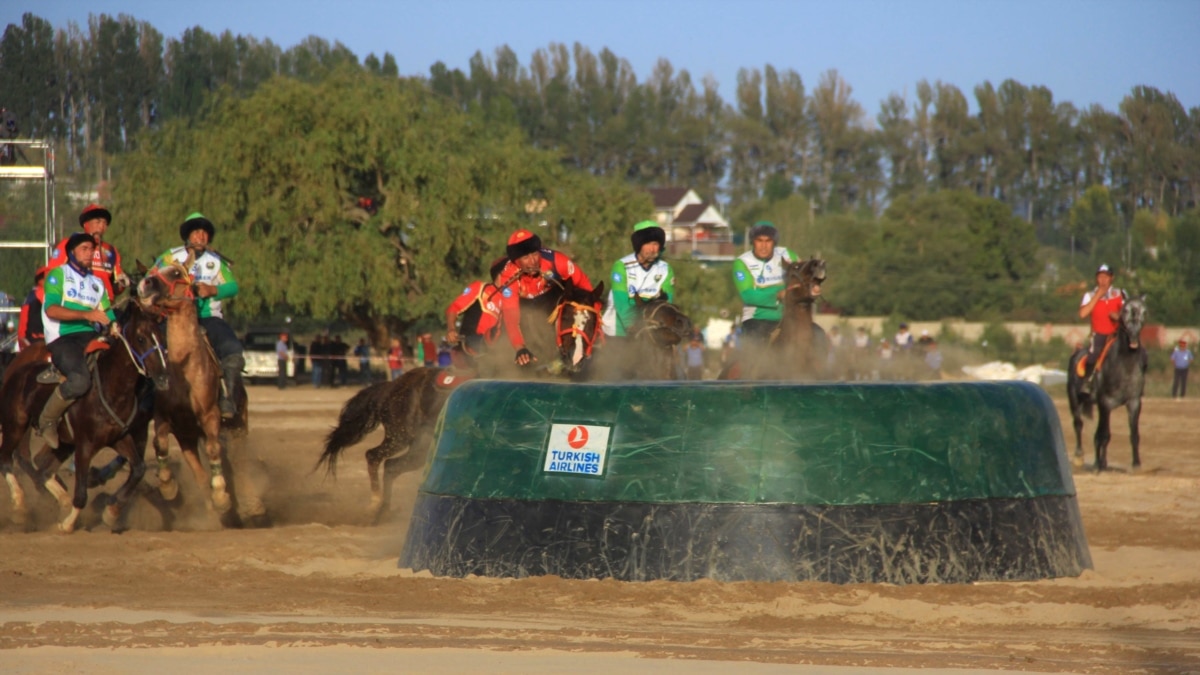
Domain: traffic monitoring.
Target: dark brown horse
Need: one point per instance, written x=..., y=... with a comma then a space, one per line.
x=407, y=407
x=110, y=414
x=650, y=350
x=1119, y=380
x=189, y=411
x=798, y=347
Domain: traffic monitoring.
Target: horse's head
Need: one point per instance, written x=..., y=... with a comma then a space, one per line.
x=577, y=323
x=1133, y=317
x=139, y=331
x=803, y=279
x=165, y=288
x=662, y=322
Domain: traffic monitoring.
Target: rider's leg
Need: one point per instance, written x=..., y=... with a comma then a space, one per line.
x=229, y=351
x=67, y=355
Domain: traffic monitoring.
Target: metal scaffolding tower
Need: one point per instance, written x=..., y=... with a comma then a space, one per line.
x=36, y=164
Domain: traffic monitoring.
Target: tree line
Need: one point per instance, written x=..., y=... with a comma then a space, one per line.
x=957, y=212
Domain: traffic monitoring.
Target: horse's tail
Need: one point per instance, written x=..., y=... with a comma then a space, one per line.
x=359, y=417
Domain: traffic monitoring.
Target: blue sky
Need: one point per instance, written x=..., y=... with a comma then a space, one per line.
x=1086, y=52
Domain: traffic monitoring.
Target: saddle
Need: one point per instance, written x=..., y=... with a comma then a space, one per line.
x=450, y=378
x=52, y=375
x=1081, y=366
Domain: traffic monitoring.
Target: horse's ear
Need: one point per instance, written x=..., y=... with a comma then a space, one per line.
x=598, y=293
x=141, y=267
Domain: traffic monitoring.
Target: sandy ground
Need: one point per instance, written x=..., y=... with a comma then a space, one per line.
x=320, y=590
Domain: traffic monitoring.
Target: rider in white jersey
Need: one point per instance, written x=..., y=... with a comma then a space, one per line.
x=758, y=275
x=642, y=275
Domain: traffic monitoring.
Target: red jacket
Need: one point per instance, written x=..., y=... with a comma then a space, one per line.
x=515, y=286
x=1102, y=323
x=481, y=303
x=106, y=263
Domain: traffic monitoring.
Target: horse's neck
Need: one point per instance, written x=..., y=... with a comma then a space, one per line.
x=184, y=336
x=798, y=319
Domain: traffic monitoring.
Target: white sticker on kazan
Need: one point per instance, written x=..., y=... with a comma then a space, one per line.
x=577, y=448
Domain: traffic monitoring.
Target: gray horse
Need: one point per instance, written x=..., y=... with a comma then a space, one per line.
x=1120, y=380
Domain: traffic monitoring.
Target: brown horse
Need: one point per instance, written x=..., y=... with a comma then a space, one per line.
x=650, y=351
x=110, y=414
x=798, y=347
x=407, y=407
x=189, y=411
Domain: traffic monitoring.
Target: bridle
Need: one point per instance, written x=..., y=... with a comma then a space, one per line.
x=578, y=327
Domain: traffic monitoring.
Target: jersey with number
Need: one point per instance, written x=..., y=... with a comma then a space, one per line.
x=758, y=283
x=68, y=287
x=209, y=268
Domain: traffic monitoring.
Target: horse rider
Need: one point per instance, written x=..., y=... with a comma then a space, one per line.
x=642, y=274
x=1103, y=304
x=213, y=282
x=30, y=328
x=106, y=265
x=531, y=272
x=473, y=320
x=75, y=302
x=758, y=275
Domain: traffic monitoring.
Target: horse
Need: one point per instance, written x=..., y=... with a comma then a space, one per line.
x=1120, y=379
x=110, y=414
x=561, y=328
x=189, y=411
x=408, y=406
x=650, y=350
x=798, y=347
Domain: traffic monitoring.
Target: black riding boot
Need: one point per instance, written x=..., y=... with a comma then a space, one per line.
x=231, y=372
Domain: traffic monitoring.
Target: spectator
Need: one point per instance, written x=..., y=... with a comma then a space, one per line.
x=903, y=342
x=419, y=351
x=316, y=354
x=363, y=352
x=694, y=354
x=729, y=345
x=395, y=358
x=338, y=350
x=281, y=353
x=1182, y=358
x=444, y=357
x=862, y=353
x=933, y=359
x=428, y=350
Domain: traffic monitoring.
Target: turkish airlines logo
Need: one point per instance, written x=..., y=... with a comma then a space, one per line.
x=578, y=437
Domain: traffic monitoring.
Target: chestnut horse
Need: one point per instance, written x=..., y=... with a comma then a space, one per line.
x=189, y=411
x=110, y=414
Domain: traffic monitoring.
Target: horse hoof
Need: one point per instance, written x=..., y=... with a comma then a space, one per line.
x=112, y=514
x=169, y=490
x=221, y=502
x=257, y=521
x=67, y=526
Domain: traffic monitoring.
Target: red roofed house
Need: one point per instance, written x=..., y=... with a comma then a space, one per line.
x=694, y=227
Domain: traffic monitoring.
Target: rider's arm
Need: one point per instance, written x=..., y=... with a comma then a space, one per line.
x=569, y=271
x=23, y=327
x=621, y=301
x=227, y=285
x=668, y=286
x=755, y=297
x=460, y=304
x=1089, y=303
x=510, y=308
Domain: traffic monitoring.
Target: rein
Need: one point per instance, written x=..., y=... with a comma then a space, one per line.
x=139, y=363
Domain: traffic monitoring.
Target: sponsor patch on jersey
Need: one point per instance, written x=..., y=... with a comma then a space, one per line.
x=53, y=281
x=617, y=276
x=579, y=449
x=507, y=292
x=211, y=265
x=72, y=293
x=741, y=276
x=467, y=290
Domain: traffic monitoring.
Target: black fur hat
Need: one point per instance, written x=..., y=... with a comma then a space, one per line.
x=194, y=222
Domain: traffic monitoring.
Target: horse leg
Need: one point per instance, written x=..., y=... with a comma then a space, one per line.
x=377, y=457
x=43, y=467
x=1134, y=407
x=129, y=448
x=1103, y=435
x=167, y=487
x=83, y=461
x=213, y=448
x=9, y=444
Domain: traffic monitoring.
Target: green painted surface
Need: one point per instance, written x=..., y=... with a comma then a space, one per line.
x=757, y=443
